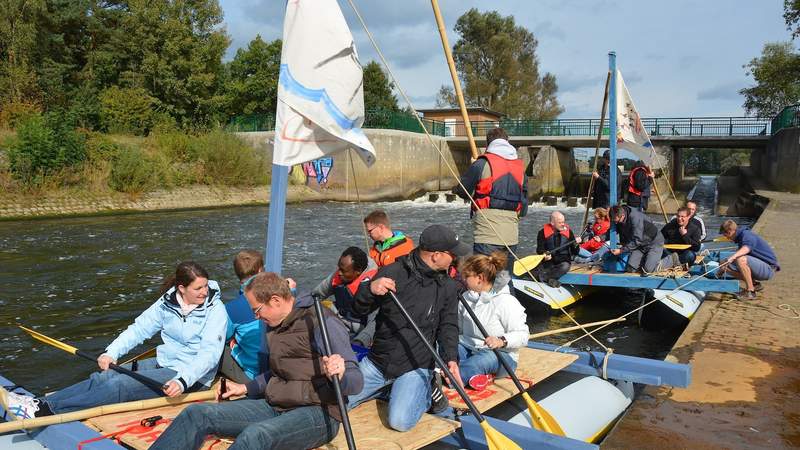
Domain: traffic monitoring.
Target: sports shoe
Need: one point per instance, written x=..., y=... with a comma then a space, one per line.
x=746, y=295
x=20, y=406
x=757, y=286
x=480, y=381
x=439, y=401
x=554, y=283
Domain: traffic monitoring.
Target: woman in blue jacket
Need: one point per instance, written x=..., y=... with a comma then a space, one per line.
x=192, y=321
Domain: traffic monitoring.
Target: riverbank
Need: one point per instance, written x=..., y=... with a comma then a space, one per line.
x=745, y=357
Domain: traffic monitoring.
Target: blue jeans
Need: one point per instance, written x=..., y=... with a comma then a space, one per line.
x=585, y=256
x=409, y=397
x=474, y=362
x=107, y=387
x=487, y=249
x=253, y=422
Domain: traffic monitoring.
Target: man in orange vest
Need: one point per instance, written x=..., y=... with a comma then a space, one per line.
x=497, y=183
x=354, y=269
x=389, y=245
x=639, y=181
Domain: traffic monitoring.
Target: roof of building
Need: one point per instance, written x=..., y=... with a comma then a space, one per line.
x=472, y=110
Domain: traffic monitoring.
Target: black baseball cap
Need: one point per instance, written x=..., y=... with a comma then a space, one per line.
x=439, y=238
x=607, y=154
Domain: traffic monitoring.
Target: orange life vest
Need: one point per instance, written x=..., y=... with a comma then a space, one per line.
x=504, y=186
x=631, y=185
x=389, y=255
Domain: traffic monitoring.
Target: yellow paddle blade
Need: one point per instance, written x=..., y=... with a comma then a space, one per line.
x=540, y=418
x=140, y=356
x=496, y=440
x=49, y=340
x=676, y=246
x=721, y=239
x=522, y=265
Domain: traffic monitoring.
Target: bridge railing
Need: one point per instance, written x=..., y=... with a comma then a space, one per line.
x=789, y=117
x=681, y=126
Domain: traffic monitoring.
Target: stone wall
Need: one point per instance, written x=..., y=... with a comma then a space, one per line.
x=780, y=162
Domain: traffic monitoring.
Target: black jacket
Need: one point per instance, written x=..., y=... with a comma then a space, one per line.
x=563, y=254
x=636, y=231
x=672, y=234
x=601, y=196
x=641, y=182
x=430, y=297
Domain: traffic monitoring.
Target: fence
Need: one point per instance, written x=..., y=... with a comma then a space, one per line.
x=789, y=117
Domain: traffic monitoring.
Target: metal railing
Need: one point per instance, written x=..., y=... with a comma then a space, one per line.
x=680, y=126
x=789, y=117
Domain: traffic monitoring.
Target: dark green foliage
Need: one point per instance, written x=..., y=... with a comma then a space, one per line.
x=777, y=76
x=252, y=83
x=134, y=171
x=127, y=110
x=43, y=146
x=378, y=89
x=791, y=13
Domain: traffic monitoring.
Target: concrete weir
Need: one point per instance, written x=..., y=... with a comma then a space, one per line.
x=745, y=357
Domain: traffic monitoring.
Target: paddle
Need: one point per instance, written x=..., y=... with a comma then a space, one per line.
x=540, y=418
x=143, y=355
x=686, y=246
x=494, y=438
x=523, y=265
x=337, y=388
x=147, y=381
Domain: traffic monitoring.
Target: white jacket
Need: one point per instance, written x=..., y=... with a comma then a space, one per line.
x=499, y=312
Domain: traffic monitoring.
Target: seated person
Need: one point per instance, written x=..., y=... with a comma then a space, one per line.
x=558, y=245
x=191, y=318
x=681, y=230
x=500, y=314
x=294, y=407
x=692, y=206
x=389, y=245
x=240, y=360
x=639, y=238
x=593, y=248
x=754, y=261
x=354, y=269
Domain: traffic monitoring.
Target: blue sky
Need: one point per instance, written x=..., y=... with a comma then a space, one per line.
x=679, y=58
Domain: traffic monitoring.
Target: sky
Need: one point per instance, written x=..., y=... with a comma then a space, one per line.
x=679, y=58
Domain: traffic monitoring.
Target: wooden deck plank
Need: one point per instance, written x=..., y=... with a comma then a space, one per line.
x=534, y=366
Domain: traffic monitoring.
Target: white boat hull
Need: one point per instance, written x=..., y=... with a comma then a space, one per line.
x=549, y=297
x=671, y=308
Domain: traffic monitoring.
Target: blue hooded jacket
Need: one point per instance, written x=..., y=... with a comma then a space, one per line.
x=192, y=344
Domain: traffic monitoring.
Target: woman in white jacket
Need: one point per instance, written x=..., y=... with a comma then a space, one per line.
x=498, y=311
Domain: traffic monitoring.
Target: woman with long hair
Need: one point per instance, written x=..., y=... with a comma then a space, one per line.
x=499, y=312
x=192, y=321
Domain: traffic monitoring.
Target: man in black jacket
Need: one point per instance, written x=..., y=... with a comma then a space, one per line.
x=681, y=230
x=639, y=237
x=601, y=192
x=558, y=245
x=398, y=357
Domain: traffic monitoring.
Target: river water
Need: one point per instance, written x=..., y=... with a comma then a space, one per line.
x=83, y=280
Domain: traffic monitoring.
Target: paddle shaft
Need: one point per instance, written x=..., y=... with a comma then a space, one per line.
x=453, y=382
x=147, y=381
x=337, y=388
x=485, y=334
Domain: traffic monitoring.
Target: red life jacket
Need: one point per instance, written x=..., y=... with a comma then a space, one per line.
x=343, y=293
x=631, y=185
x=549, y=231
x=504, y=186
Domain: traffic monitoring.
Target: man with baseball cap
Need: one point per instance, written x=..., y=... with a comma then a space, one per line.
x=398, y=357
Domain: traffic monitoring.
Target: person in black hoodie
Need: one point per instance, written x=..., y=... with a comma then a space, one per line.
x=639, y=237
x=601, y=194
x=558, y=245
x=681, y=230
x=398, y=357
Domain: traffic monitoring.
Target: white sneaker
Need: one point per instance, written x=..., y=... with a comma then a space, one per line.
x=20, y=407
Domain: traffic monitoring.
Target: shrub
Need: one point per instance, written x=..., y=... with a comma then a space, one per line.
x=134, y=171
x=229, y=160
x=12, y=114
x=44, y=145
x=128, y=110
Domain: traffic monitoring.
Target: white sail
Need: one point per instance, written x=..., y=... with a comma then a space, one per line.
x=631, y=134
x=320, y=89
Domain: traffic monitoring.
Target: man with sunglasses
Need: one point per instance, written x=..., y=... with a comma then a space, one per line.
x=398, y=358
x=388, y=245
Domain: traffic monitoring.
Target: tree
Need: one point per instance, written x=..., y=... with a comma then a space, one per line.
x=497, y=64
x=19, y=26
x=791, y=13
x=378, y=89
x=777, y=77
x=252, y=84
x=446, y=98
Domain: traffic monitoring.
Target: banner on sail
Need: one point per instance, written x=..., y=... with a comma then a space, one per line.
x=320, y=90
x=631, y=134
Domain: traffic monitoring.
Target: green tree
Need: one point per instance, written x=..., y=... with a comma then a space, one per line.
x=791, y=13
x=446, y=98
x=19, y=28
x=252, y=84
x=498, y=67
x=777, y=76
x=378, y=89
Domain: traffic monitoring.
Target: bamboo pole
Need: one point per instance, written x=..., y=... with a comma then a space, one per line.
x=564, y=330
x=456, y=83
x=103, y=410
x=658, y=196
x=597, y=151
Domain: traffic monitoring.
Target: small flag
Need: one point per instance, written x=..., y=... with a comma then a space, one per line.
x=631, y=134
x=320, y=89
